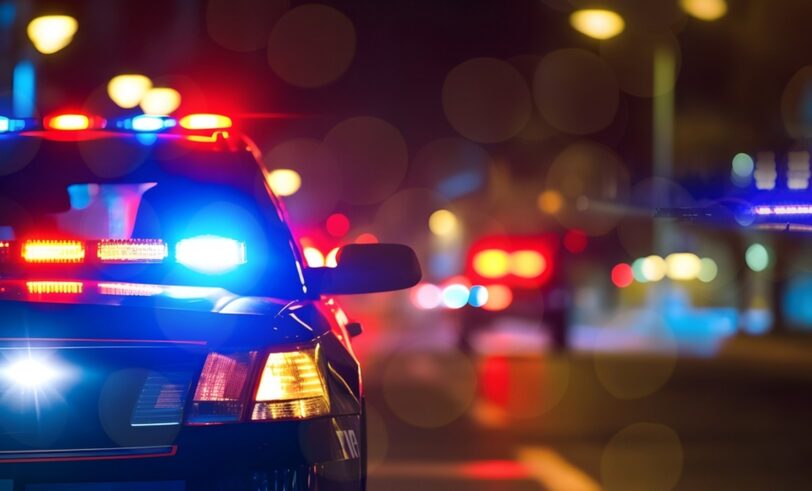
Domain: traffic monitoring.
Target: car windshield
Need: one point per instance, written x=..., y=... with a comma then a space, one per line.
x=203, y=209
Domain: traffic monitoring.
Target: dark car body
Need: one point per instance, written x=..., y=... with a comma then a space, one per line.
x=131, y=343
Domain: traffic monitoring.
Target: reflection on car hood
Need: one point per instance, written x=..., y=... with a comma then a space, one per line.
x=80, y=292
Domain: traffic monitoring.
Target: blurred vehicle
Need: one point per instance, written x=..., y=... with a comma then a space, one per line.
x=159, y=327
x=525, y=279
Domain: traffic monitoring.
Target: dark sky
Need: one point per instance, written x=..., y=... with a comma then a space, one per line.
x=732, y=75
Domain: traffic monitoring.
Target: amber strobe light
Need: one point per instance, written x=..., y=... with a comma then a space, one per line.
x=205, y=122
x=125, y=251
x=54, y=287
x=67, y=122
x=291, y=387
x=53, y=251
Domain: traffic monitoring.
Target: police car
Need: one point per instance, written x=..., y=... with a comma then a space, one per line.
x=159, y=329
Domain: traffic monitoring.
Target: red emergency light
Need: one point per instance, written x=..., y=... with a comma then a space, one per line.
x=521, y=262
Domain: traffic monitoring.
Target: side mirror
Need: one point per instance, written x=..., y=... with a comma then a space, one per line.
x=368, y=268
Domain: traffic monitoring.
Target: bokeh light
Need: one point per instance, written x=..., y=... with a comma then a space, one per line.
x=625, y=381
x=366, y=238
x=338, y=225
x=708, y=270
x=427, y=296
x=743, y=165
x=311, y=46
x=757, y=257
x=794, y=104
x=637, y=270
x=128, y=90
x=654, y=268
x=550, y=201
x=455, y=167
x=486, y=100
x=51, y=33
x=492, y=263
x=499, y=298
x=160, y=101
x=373, y=157
x=683, y=266
x=443, y=223
x=243, y=25
x=597, y=23
x=284, y=182
x=527, y=264
x=576, y=91
x=622, y=275
x=478, y=296
x=320, y=179
x=707, y=10
x=455, y=296
x=404, y=215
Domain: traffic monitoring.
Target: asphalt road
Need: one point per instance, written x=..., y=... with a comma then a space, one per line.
x=444, y=421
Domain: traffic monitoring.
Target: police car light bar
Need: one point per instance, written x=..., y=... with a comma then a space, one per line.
x=147, y=123
x=205, y=254
x=136, y=250
x=204, y=121
x=210, y=253
x=71, y=122
x=783, y=210
x=10, y=125
x=53, y=251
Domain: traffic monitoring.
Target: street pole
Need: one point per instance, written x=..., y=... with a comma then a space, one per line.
x=663, y=137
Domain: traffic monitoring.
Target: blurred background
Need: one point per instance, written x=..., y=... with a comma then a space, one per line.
x=563, y=337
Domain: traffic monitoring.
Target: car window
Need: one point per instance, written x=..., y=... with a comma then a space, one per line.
x=173, y=196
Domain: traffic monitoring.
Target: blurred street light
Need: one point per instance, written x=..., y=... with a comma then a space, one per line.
x=443, y=223
x=708, y=271
x=683, y=266
x=284, y=182
x=160, y=101
x=127, y=91
x=654, y=268
x=51, y=33
x=597, y=23
x=550, y=202
x=757, y=257
x=622, y=275
x=707, y=10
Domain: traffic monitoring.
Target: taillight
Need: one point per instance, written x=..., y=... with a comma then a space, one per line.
x=291, y=387
x=53, y=251
x=222, y=389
